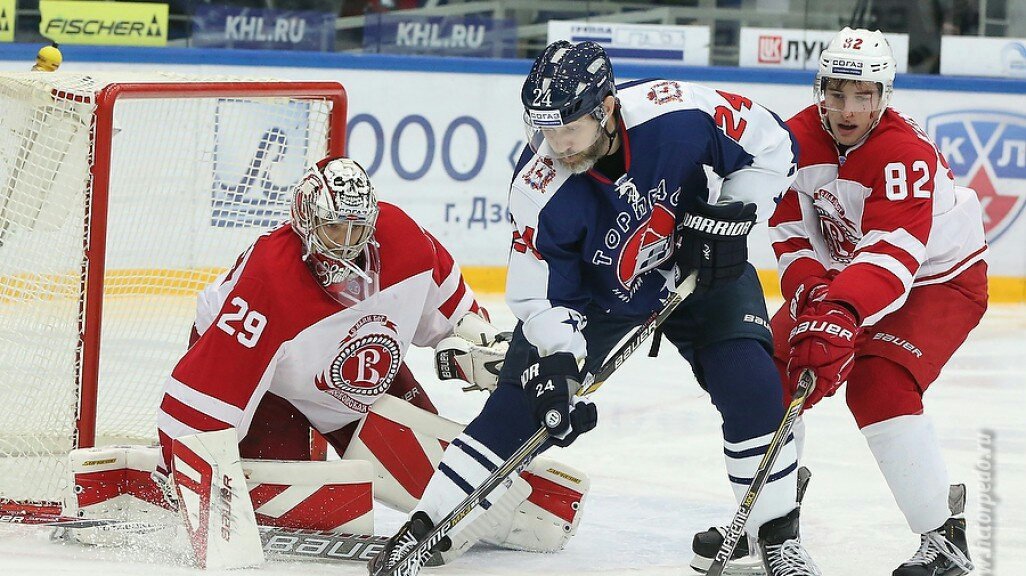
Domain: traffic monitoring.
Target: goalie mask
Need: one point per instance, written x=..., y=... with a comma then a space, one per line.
x=855, y=56
x=334, y=212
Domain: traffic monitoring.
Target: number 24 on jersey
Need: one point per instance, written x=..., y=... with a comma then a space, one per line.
x=733, y=125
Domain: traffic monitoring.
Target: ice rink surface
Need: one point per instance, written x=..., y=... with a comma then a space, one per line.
x=658, y=476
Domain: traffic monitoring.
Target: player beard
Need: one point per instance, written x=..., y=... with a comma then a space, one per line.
x=583, y=161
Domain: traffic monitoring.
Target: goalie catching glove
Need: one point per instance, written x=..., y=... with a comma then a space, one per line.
x=715, y=241
x=474, y=354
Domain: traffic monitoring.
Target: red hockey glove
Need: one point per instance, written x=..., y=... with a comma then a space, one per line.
x=812, y=291
x=823, y=340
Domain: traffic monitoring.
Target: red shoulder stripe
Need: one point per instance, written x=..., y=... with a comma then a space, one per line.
x=190, y=416
x=449, y=306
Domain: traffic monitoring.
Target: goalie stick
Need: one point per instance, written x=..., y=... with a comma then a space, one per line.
x=806, y=383
x=411, y=562
x=291, y=543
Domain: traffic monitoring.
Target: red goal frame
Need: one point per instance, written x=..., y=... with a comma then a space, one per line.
x=93, y=262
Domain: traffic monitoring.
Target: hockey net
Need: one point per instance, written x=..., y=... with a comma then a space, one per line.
x=121, y=196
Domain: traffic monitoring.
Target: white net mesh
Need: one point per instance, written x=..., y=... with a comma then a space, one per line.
x=193, y=181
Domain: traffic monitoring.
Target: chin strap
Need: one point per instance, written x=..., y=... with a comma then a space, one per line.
x=611, y=134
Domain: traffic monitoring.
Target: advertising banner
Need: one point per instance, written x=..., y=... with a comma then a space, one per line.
x=800, y=49
x=218, y=26
x=7, y=15
x=651, y=43
x=252, y=184
x=976, y=56
x=107, y=23
x=986, y=150
x=468, y=35
x=443, y=147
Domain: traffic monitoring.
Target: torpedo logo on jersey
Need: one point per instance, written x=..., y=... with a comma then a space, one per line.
x=367, y=361
x=648, y=246
x=642, y=238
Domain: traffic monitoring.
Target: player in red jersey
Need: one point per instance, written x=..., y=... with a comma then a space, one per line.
x=882, y=268
x=309, y=330
x=312, y=323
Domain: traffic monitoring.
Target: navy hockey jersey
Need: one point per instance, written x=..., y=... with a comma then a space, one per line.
x=583, y=239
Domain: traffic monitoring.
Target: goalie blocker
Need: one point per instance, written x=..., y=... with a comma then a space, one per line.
x=395, y=449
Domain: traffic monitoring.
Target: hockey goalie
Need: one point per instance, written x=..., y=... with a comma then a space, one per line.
x=308, y=332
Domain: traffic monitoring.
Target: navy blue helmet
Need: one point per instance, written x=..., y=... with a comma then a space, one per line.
x=567, y=82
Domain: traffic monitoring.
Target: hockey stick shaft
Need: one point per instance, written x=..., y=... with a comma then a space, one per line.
x=684, y=289
x=287, y=542
x=736, y=530
x=410, y=564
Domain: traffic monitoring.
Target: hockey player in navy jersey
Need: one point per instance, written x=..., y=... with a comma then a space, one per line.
x=621, y=192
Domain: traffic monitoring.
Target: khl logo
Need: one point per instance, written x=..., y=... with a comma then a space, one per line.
x=1013, y=58
x=986, y=150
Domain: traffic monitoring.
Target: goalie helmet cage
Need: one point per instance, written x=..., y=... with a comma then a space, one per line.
x=122, y=196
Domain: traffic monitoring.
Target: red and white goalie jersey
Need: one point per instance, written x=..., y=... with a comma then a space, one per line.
x=883, y=218
x=267, y=326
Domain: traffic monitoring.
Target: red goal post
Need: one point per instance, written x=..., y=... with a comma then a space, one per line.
x=121, y=196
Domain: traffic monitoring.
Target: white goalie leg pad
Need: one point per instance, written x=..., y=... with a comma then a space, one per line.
x=331, y=496
x=404, y=444
x=213, y=500
x=114, y=482
x=539, y=513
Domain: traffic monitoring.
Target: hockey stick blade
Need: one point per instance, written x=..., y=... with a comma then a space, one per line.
x=736, y=529
x=411, y=562
x=70, y=522
x=312, y=545
x=291, y=543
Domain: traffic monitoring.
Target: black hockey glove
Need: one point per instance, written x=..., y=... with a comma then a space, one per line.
x=550, y=385
x=715, y=241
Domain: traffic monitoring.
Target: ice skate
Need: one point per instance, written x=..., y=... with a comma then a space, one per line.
x=745, y=560
x=402, y=543
x=782, y=551
x=944, y=551
x=707, y=544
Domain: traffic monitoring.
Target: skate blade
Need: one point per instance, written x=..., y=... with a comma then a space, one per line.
x=747, y=566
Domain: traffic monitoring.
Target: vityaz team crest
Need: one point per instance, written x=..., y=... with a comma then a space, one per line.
x=367, y=361
x=986, y=150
